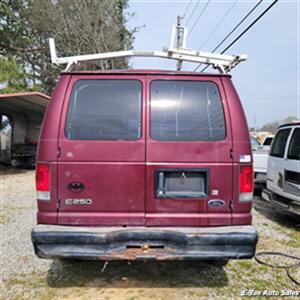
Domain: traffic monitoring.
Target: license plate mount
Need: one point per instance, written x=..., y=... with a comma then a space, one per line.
x=182, y=183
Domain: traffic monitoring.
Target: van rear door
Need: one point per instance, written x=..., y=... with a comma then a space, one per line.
x=188, y=152
x=101, y=166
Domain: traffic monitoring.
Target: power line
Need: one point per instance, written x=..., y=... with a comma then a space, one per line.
x=187, y=8
x=245, y=30
x=195, y=8
x=249, y=27
x=233, y=30
x=197, y=20
x=220, y=22
x=238, y=25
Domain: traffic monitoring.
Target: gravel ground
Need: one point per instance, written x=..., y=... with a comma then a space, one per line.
x=23, y=276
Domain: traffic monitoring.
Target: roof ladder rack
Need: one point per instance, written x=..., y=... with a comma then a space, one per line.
x=224, y=63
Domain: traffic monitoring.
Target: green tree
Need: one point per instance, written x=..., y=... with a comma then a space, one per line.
x=13, y=36
x=11, y=76
x=289, y=119
x=79, y=27
x=273, y=126
x=12, y=40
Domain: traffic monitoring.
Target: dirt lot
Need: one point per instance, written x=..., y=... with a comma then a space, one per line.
x=23, y=276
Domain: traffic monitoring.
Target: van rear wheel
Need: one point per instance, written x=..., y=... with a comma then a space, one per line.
x=31, y=163
x=219, y=262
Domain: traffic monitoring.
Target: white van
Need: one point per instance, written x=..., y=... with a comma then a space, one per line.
x=283, y=175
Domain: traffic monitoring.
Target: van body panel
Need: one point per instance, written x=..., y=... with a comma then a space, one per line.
x=174, y=192
x=46, y=217
x=185, y=152
x=241, y=143
x=48, y=150
x=111, y=172
x=188, y=219
x=213, y=156
x=190, y=212
x=111, y=151
x=190, y=151
x=113, y=188
x=242, y=218
x=101, y=171
x=239, y=126
x=101, y=219
x=128, y=72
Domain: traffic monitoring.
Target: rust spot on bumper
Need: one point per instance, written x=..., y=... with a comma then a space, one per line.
x=140, y=253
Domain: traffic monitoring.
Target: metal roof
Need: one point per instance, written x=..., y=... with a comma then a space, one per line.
x=26, y=103
x=296, y=123
x=145, y=72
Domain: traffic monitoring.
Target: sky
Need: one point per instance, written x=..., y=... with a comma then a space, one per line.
x=267, y=83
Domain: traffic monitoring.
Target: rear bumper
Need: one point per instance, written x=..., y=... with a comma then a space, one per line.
x=117, y=243
x=282, y=202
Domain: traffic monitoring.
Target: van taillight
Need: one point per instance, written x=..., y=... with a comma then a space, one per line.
x=43, y=181
x=246, y=183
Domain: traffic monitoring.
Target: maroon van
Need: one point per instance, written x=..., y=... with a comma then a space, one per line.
x=141, y=164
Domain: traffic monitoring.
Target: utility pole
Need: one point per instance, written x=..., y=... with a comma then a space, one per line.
x=179, y=40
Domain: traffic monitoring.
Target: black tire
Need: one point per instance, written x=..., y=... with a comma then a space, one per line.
x=219, y=262
x=68, y=261
x=31, y=163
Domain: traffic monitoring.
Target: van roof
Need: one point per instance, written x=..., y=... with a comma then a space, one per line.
x=145, y=72
x=290, y=124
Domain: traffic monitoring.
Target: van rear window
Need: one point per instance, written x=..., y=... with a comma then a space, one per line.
x=186, y=111
x=105, y=110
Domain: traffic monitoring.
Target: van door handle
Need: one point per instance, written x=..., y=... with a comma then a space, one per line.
x=160, y=184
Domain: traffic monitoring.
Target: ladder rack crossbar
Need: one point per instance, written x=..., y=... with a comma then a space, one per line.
x=224, y=63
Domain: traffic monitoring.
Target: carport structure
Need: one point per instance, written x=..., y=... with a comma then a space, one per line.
x=25, y=112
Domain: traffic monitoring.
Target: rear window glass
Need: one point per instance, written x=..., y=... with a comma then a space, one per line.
x=186, y=111
x=279, y=143
x=104, y=110
x=294, y=149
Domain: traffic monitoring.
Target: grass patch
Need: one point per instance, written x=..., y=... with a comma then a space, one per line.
x=293, y=236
